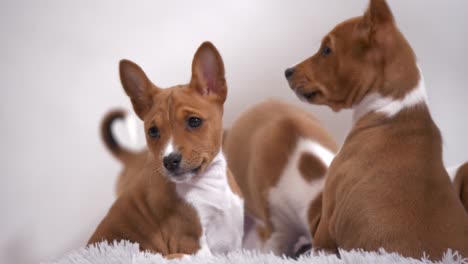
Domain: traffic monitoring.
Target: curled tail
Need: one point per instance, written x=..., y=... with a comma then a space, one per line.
x=111, y=143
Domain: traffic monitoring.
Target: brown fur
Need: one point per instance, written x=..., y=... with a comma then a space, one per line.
x=151, y=214
x=133, y=167
x=258, y=147
x=461, y=184
x=311, y=168
x=387, y=187
x=233, y=184
x=148, y=209
x=314, y=213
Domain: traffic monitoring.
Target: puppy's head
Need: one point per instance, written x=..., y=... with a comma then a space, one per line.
x=361, y=55
x=183, y=123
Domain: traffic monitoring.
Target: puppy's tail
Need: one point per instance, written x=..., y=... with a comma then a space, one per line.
x=111, y=143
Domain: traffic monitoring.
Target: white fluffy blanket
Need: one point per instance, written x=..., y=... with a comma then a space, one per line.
x=125, y=252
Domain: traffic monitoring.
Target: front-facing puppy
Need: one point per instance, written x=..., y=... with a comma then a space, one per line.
x=387, y=187
x=184, y=201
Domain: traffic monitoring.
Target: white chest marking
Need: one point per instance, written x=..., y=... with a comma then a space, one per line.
x=389, y=106
x=290, y=199
x=221, y=211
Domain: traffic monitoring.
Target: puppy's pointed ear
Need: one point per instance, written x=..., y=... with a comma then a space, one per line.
x=379, y=13
x=376, y=27
x=208, y=73
x=137, y=86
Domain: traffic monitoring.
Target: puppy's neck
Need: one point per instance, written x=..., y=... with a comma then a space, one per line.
x=208, y=184
x=389, y=106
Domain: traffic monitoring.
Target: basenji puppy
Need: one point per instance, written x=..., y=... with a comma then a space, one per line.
x=459, y=176
x=387, y=187
x=279, y=155
x=184, y=200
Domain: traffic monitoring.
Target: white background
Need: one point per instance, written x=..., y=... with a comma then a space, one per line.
x=58, y=76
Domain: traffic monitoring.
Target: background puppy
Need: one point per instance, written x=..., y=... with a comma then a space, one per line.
x=387, y=187
x=279, y=155
x=182, y=201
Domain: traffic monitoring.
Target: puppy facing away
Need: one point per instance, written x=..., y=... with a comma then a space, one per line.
x=387, y=187
x=184, y=200
x=459, y=176
x=279, y=155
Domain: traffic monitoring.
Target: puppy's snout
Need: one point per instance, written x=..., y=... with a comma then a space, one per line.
x=172, y=161
x=289, y=73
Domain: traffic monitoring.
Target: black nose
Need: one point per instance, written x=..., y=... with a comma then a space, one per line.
x=289, y=72
x=172, y=161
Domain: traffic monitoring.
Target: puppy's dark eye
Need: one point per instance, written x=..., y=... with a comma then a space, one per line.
x=153, y=132
x=326, y=50
x=194, y=122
